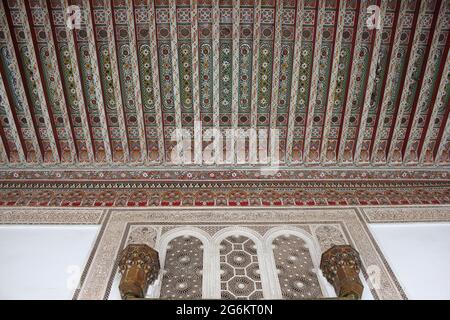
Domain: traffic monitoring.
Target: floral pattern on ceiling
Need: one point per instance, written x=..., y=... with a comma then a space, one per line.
x=112, y=92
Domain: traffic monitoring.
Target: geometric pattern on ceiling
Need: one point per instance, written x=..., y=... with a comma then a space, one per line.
x=113, y=91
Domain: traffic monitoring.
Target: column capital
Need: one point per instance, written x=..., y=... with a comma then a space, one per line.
x=139, y=267
x=341, y=266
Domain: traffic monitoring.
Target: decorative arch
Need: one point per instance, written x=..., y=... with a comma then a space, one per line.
x=185, y=261
x=240, y=267
x=293, y=261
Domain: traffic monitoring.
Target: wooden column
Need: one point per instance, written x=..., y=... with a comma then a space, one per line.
x=341, y=266
x=139, y=267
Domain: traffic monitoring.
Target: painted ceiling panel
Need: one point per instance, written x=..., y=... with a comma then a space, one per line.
x=113, y=90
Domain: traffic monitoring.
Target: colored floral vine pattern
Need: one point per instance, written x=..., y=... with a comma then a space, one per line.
x=285, y=78
x=304, y=78
x=185, y=58
x=322, y=89
x=265, y=78
x=12, y=79
x=145, y=69
x=339, y=94
x=31, y=80
x=106, y=74
x=128, y=91
x=50, y=75
x=225, y=77
x=206, y=77
x=245, y=77
x=88, y=82
x=165, y=69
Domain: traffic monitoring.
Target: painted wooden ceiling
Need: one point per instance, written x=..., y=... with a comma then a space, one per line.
x=112, y=91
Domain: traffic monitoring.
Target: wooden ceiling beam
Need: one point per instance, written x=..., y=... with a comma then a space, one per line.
x=275, y=72
x=99, y=94
x=394, y=153
x=318, y=35
x=235, y=70
x=44, y=101
x=23, y=94
x=255, y=63
x=196, y=82
x=427, y=94
x=339, y=29
x=58, y=83
x=136, y=82
x=156, y=84
x=114, y=60
x=370, y=85
x=175, y=68
x=81, y=101
x=295, y=79
x=14, y=126
x=352, y=86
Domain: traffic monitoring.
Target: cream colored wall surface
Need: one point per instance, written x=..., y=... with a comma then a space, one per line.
x=419, y=254
x=43, y=262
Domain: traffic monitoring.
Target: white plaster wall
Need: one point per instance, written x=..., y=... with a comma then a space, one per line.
x=43, y=262
x=419, y=254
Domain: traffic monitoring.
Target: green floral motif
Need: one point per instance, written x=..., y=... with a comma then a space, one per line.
x=12, y=80
x=285, y=78
x=127, y=79
x=361, y=74
x=107, y=79
x=304, y=78
x=245, y=77
x=265, y=78
x=69, y=79
x=380, y=74
x=49, y=75
x=88, y=80
x=417, y=67
x=206, y=77
x=396, y=88
x=225, y=77
x=165, y=69
x=325, y=62
x=338, y=95
x=31, y=79
x=185, y=67
x=145, y=68
x=128, y=96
